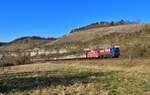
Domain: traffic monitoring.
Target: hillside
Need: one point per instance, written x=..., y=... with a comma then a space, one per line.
x=134, y=39
x=25, y=43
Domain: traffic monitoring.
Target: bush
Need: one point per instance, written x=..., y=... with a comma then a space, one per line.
x=146, y=28
x=6, y=61
x=20, y=59
x=138, y=51
x=23, y=59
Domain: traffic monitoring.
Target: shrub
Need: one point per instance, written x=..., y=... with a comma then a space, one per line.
x=6, y=61
x=146, y=28
x=23, y=59
x=20, y=59
x=138, y=51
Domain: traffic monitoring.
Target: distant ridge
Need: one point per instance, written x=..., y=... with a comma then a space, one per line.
x=2, y=43
x=24, y=43
x=31, y=38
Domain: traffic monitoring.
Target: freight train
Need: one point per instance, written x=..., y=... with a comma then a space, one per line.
x=113, y=52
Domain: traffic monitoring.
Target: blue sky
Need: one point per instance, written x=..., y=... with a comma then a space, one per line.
x=54, y=18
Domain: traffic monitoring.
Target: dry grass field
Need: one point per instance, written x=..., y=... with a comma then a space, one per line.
x=102, y=77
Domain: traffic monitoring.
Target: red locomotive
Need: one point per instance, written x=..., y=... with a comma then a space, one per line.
x=103, y=53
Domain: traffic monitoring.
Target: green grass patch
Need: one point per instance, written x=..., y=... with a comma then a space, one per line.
x=75, y=81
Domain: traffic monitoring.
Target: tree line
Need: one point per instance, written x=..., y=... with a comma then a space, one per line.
x=104, y=24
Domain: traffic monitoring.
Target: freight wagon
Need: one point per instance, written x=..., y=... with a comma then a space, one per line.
x=113, y=52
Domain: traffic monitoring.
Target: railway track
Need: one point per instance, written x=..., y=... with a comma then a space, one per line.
x=73, y=59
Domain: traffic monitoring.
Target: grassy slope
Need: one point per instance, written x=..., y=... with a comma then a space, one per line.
x=106, y=77
x=129, y=37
